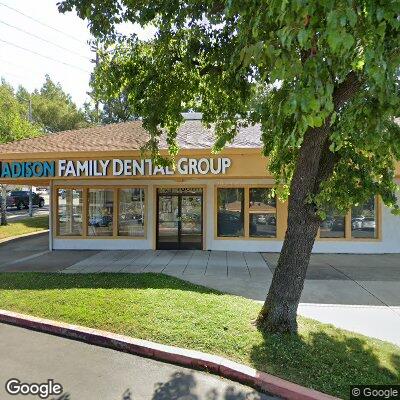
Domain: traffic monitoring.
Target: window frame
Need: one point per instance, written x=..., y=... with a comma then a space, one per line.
x=246, y=210
x=144, y=188
x=281, y=216
x=216, y=213
x=85, y=211
x=113, y=190
x=250, y=187
x=57, y=212
x=348, y=237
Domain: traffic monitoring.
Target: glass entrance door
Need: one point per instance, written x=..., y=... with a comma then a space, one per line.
x=179, y=219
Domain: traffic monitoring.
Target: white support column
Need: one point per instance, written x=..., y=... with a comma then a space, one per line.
x=150, y=216
x=51, y=216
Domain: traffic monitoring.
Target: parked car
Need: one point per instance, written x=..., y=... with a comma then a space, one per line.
x=20, y=199
x=337, y=224
x=229, y=223
x=356, y=223
x=101, y=221
x=368, y=224
x=42, y=191
x=261, y=219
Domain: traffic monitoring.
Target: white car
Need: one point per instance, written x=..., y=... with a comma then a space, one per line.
x=356, y=223
x=368, y=224
x=42, y=191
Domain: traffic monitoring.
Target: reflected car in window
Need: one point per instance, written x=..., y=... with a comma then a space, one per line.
x=105, y=220
x=230, y=223
x=337, y=224
x=368, y=224
x=262, y=219
x=356, y=223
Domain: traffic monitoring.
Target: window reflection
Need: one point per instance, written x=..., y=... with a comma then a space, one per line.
x=131, y=212
x=262, y=209
x=101, y=207
x=334, y=226
x=363, y=220
x=230, y=205
x=70, y=205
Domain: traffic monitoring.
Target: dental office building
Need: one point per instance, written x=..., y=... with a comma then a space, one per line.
x=103, y=195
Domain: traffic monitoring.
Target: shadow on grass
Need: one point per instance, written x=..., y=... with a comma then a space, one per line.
x=46, y=281
x=327, y=362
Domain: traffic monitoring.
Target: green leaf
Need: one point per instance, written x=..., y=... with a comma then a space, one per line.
x=347, y=41
x=351, y=16
x=303, y=37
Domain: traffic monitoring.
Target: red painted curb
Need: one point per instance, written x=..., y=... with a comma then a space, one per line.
x=175, y=355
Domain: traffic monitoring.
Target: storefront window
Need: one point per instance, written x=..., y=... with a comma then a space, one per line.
x=70, y=205
x=131, y=212
x=363, y=220
x=262, y=209
x=100, y=215
x=230, y=212
x=333, y=226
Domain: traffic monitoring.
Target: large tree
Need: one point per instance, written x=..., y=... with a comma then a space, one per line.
x=14, y=125
x=52, y=108
x=321, y=77
x=108, y=110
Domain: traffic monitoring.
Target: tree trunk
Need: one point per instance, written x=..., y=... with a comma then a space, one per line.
x=280, y=308
x=3, y=205
x=315, y=164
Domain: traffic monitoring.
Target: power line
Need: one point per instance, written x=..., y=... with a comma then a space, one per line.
x=42, y=23
x=44, y=40
x=26, y=68
x=44, y=56
x=11, y=75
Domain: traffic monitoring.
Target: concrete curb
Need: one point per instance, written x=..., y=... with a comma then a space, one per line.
x=174, y=355
x=25, y=235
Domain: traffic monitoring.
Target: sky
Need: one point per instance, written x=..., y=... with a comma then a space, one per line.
x=68, y=59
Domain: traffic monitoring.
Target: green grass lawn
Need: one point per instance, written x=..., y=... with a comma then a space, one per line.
x=24, y=226
x=170, y=311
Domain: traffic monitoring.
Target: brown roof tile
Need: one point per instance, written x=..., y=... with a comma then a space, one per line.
x=126, y=136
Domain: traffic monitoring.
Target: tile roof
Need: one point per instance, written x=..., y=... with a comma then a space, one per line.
x=126, y=136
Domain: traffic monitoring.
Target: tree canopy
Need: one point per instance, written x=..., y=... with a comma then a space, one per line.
x=289, y=56
x=52, y=108
x=321, y=77
x=14, y=123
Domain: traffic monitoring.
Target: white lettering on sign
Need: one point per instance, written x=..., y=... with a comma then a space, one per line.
x=144, y=167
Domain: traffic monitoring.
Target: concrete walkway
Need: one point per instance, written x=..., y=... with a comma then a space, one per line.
x=355, y=292
x=90, y=372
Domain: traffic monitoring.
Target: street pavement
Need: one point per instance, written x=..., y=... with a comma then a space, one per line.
x=357, y=292
x=89, y=372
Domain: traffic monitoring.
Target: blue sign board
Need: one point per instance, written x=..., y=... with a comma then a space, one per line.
x=28, y=169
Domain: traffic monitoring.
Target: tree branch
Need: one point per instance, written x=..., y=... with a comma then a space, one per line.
x=328, y=160
x=346, y=90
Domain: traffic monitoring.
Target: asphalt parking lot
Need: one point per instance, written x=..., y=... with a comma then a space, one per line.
x=91, y=372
